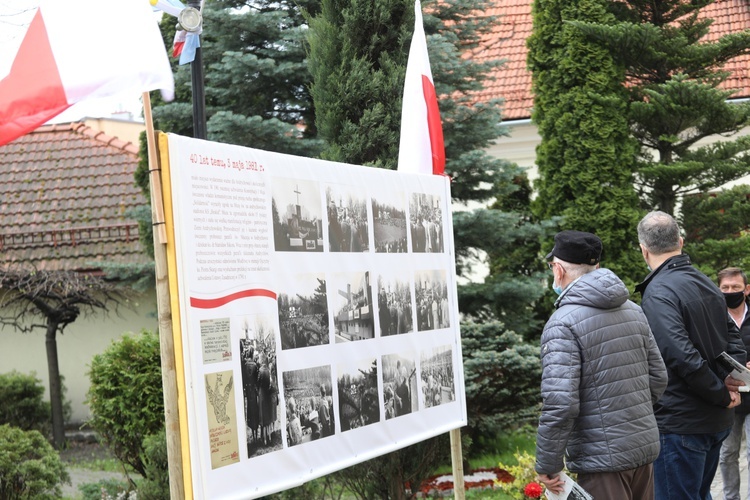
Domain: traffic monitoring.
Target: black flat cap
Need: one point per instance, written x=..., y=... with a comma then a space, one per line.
x=577, y=247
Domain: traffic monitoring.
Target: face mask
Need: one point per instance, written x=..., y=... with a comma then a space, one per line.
x=734, y=299
x=557, y=289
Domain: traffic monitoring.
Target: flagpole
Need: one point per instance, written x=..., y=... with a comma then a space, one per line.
x=199, y=93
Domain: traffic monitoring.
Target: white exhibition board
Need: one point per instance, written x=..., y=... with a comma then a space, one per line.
x=318, y=311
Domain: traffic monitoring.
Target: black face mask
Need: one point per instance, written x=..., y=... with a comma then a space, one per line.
x=734, y=299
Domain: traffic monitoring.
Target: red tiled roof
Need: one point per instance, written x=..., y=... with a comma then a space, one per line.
x=64, y=193
x=508, y=41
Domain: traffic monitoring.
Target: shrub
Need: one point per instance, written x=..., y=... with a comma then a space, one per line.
x=29, y=467
x=126, y=397
x=502, y=375
x=105, y=489
x=387, y=476
x=23, y=402
x=155, y=486
x=524, y=484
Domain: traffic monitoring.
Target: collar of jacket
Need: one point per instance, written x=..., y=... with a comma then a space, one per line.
x=671, y=263
x=565, y=290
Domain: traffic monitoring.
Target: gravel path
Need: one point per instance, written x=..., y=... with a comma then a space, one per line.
x=80, y=458
x=80, y=476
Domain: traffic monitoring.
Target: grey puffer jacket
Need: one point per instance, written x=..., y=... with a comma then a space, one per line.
x=601, y=374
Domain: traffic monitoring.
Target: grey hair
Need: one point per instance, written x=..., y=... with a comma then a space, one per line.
x=575, y=271
x=659, y=233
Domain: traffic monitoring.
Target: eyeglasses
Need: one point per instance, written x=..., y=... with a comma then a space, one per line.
x=550, y=264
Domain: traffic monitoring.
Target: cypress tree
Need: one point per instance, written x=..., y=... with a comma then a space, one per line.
x=587, y=157
x=358, y=55
x=358, y=61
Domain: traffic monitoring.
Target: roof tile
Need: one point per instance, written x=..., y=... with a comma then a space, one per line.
x=65, y=194
x=507, y=40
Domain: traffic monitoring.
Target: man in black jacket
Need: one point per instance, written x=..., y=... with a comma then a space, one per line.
x=688, y=317
x=733, y=284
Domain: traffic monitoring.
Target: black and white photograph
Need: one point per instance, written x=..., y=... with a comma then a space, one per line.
x=436, y=366
x=399, y=385
x=260, y=384
x=351, y=303
x=394, y=304
x=389, y=221
x=347, y=219
x=297, y=212
x=431, y=290
x=426, y=223
x=303, y=311
x=358, y=393
x=309, y=405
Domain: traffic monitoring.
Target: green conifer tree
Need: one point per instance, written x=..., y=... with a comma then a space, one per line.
x=255, y=77
x=587, y=157
x=674, y=72
x=358, y=55
x=716, y=229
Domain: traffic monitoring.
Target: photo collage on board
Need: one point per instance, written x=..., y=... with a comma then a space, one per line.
x=287, y=406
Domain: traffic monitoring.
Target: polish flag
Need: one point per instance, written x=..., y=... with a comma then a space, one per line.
x=421, y=149
x=179, y=42
x=71, y=53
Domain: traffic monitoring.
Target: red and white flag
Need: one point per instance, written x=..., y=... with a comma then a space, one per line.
x=421, y=149
x=72, y=52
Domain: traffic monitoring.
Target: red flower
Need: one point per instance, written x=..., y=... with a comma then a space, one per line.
x=533, y=490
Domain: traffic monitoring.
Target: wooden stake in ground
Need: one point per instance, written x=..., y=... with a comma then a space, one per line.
x=457, y=460
x=169, y=373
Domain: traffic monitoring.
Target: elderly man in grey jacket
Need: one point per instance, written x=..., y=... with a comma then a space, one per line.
x=601, y=374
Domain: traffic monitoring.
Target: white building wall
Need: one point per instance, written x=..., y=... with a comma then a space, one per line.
x=520, y=147
x=81, y=340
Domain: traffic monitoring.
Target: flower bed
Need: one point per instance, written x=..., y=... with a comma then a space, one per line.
x=439, y=486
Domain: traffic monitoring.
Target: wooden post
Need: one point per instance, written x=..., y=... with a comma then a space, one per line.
x=168, y=371
x=154, y=178
x=457, y=461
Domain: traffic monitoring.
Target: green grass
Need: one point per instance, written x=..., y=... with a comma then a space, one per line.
x=505, y=447
x=487, y=495
x=503, y=450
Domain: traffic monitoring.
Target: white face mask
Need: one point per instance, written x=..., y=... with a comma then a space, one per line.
x=555, y=287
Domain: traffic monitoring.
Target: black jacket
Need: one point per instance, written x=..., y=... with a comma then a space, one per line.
x=744, y=408
x=688, y=317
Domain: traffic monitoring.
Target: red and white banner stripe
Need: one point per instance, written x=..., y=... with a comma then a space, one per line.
x=69, y=54
x=421, y=149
